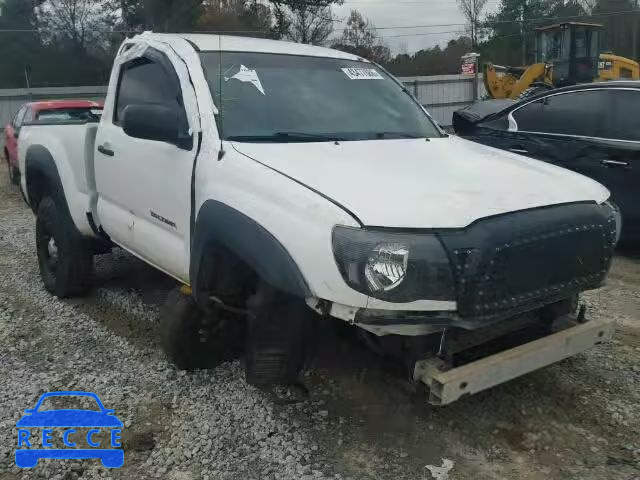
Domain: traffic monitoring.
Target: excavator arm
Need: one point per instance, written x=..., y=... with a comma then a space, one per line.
x=511, y=82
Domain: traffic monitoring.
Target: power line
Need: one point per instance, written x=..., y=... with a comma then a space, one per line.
x=458, y=32
x=394, y=27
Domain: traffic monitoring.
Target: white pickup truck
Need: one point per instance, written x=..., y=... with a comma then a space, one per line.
x=281, y=184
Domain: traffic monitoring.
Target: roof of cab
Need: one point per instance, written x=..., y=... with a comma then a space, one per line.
x=230, y=43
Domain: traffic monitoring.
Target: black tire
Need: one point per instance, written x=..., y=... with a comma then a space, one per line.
x=280, y=328
x=195, y=339
x=66, y=264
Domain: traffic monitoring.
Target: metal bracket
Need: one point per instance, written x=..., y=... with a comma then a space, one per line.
x=448, y=384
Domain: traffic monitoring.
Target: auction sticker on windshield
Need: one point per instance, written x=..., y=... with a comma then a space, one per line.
x=362, y=74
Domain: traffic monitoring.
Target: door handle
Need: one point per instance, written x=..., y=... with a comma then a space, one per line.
x=614, y=163
x=519, y=149
x=106, y=151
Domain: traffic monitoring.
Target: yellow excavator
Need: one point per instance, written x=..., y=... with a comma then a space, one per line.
x=566, y=54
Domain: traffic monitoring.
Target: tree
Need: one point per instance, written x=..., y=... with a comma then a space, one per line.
x=18, y=49
x=239, y=17
x=431, y=61
x=360, y=38
x=304, y=21
x=311, y=24
x=76, y=24
x=621, y=26
x=472, y=10
x=511, y=26
x=172, y=15
x=129, y=13
x=158, y=15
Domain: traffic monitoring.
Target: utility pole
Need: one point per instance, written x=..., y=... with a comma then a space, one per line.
x=474, y=30
x=474, y=42
x=523, y=30
x=27, y=78
x=636, y=20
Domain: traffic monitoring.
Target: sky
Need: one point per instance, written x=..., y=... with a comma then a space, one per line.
x=409, y=13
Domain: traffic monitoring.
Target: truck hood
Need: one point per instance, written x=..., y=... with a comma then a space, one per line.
x=413, y=183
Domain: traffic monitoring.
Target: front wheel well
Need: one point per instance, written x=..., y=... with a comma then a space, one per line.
x=224, y=275
x=221, y=228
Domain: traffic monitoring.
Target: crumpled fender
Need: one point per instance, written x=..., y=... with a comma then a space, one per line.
x=249, y=241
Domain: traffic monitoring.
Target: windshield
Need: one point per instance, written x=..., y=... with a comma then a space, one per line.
x=286, y=98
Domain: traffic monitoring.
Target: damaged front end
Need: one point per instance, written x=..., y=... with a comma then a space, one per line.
x=515, y=281
x=496, y=268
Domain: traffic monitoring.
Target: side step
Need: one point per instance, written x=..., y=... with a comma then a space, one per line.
x=446, y=385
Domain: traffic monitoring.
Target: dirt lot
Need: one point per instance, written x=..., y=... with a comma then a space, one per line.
x=579, y=419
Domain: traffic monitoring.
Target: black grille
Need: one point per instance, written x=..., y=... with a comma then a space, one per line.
x=531, y=258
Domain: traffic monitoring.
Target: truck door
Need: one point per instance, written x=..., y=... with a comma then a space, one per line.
x=560, y=128
x=144, y=186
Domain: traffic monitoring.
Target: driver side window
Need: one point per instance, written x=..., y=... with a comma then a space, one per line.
x=574, y=113
x=144, y=81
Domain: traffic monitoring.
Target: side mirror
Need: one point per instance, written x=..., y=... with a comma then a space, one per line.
x=16, y=132
x=156, y=122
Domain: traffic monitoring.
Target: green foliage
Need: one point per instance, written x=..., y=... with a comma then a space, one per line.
x=16, y=47
x=289, y=14
x=55, y=47
x=515, y=20
x=432, y=61
x=360, y=38
x=237, y=17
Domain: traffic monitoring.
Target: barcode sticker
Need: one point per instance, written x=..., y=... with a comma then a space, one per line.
x=362, y=74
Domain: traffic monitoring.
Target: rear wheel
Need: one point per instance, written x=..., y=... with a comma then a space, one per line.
x=66, y=264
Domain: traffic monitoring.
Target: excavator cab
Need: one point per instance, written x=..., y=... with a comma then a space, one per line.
x=566, y=54
x=571, y=50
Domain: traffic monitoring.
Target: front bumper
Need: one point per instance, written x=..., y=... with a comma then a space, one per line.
x=446, y=384
x=384, y=322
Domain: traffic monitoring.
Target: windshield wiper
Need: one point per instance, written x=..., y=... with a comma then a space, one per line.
x=397, y=135
x=286, y=137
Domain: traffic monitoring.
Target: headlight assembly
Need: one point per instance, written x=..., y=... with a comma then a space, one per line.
x=386, y=267
x=395, y=267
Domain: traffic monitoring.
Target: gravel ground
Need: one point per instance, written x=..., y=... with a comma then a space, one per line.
x=575, y=420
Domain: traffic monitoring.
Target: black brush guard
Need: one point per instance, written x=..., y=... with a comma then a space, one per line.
x=518, y=262
x=526, y=259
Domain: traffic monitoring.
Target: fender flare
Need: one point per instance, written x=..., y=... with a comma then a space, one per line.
x=221, y=224
x=40, y=163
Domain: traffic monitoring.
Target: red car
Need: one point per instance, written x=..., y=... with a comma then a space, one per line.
x=51, y=111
